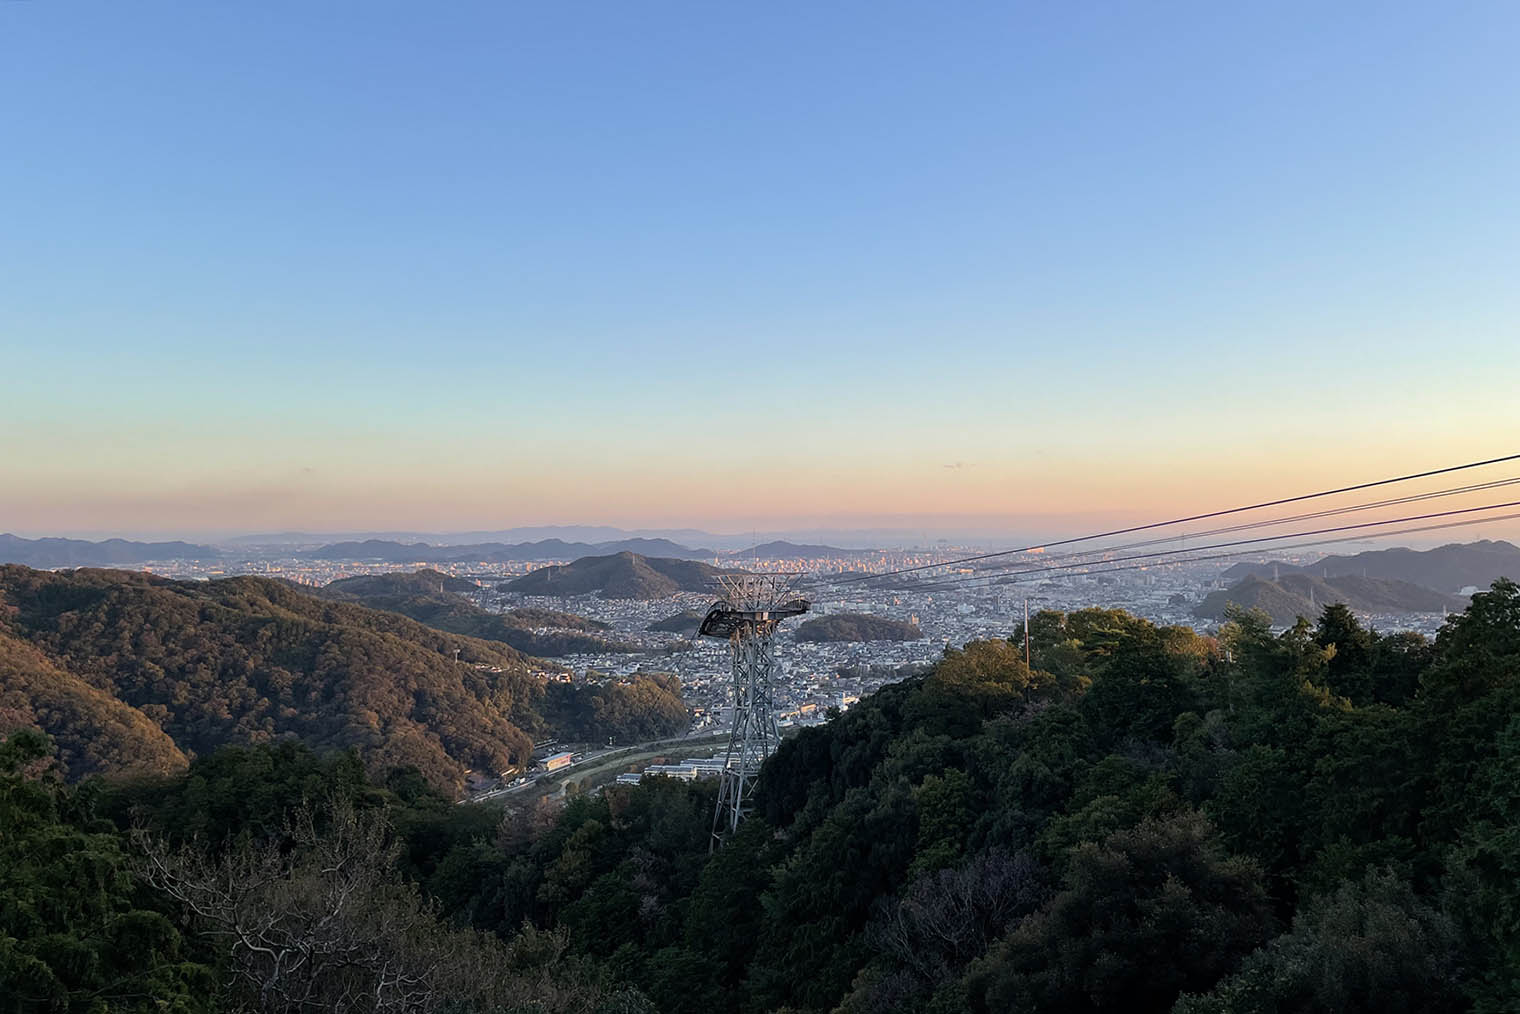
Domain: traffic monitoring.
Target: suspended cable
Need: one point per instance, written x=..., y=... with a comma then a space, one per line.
x=1099, y=568
x=1183, y=520
x=951, y=582
x=1045, y=560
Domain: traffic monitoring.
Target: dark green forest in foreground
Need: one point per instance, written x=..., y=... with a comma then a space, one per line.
x=1146, y=820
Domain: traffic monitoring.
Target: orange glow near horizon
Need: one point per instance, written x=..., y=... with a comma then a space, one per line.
x=989, y=497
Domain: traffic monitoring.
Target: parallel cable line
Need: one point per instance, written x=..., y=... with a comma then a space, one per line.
x=1266, y=523
x=1183, y=520
x=951, y=582
x=1100, y=569
x=1293, y=518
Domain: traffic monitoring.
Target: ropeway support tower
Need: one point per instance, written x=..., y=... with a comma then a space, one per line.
x=747, y=615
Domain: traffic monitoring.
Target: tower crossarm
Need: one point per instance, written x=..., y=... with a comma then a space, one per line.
x=724, y=621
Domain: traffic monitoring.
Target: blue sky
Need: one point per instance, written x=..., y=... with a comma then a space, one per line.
x=477, y=264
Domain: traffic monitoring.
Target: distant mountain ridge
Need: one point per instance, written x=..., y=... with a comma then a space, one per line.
x=50, y=553
x=623, y=575
x=1448, y=568
x=783, y=550
x=1298, y=594
x=497, y=552
x=590, y=534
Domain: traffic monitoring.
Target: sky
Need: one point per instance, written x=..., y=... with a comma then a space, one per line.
x=355, y=266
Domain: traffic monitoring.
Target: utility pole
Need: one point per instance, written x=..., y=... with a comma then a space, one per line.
x=1026, y=633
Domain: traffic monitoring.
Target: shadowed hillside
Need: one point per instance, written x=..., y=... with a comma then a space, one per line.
x=1295, y=595
x=95, y=732
x=430, y=597
x=619, y=576
x=687, y=622
x=133, y=673
x=1447, y=568
x=857, y=627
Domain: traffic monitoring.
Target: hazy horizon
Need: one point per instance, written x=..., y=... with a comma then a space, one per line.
x=730, y=541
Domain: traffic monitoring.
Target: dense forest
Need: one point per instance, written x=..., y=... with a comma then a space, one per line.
x=264, y=879
x=645, y=707
x=434, y=599
x=133, y=673
x=1447, y=568
x=1299, y=594
x=1146, y=820
x=530, y=616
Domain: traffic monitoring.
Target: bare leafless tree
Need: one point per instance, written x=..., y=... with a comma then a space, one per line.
x=319, y=921
x=948, y=918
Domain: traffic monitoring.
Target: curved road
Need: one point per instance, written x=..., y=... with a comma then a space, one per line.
x=618, y=756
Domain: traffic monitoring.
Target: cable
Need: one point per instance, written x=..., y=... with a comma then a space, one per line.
x=1258, y=540
x=1266, y=523
x=950, y=582
x=1184, y=520
x=1270, y=522
x=1158, y=560
x=1467, y=522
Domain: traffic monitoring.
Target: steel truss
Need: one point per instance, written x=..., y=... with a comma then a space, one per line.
x=752, y=608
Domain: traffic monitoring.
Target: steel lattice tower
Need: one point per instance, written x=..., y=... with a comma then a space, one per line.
x=753, y=605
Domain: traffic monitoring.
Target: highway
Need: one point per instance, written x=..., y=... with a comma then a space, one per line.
x=598, y=760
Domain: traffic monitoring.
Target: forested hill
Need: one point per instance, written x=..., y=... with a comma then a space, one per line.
x=420, y=582
x=620, y=576
x=129, y=672
x=1295, y=595
x=432, y=598
x=687, y=621
x=1446, y=569
x=858, y=627
x=1147, y=820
